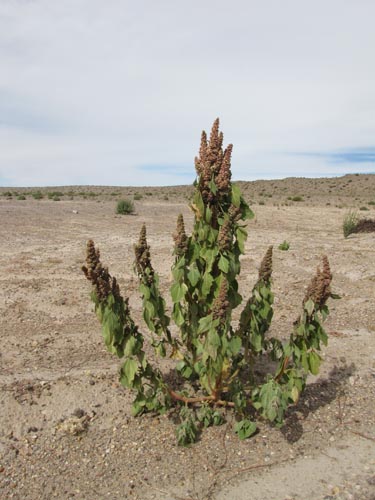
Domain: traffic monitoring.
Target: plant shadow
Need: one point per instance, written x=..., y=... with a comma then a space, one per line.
x=315, y=396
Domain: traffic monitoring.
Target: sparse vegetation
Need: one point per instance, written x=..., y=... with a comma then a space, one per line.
x=284, y=246
x=124, y=207
x=350, y=222
x=37, y=195
x=21, y=197
x=297, y=198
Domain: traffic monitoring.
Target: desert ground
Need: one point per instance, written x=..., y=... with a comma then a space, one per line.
x=66, y=430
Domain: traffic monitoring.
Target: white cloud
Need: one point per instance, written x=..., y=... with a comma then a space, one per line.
x=93, y=90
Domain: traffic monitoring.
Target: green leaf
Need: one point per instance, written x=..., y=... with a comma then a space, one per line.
x=245, y=428
x=247, y=212
x=205, y=324
x=294, y=394
x=145, y=291
x=212, y=186
x=128, y=371
x=223, y=264
x=178, y=291
x=207, y=284
x=235, y=345
x=193, y=276
x=212, y=345
x=241, y=235
x=309, y=307
x=314, y=362
x=131, y=346
x=236, y=195
x=178, y=316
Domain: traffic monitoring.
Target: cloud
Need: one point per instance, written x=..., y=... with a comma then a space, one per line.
x=98, y=91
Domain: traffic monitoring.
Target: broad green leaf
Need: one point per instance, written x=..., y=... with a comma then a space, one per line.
x=241, y=235
x=205, y=324
x=128, y=371
x=145, y=291
x=177, y=315
x=235, y=345
x=294, y=394
x=193, y=276
x=131, y=346
x=314, y=362
x=245, y=428
x=178, y=291
x=207, y=284
x=223, y=264
x=309, y=307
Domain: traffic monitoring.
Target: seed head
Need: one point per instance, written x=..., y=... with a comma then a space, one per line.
x=225, y=237
x=319, y=289
x=142, y=255
x=221, y=304
x=99, y=276
x=265, y=270
x=180, y=238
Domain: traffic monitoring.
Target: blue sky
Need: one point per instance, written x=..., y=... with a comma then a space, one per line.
x=116, y=92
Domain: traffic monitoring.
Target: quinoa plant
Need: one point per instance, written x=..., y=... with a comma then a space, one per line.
x=220, y=363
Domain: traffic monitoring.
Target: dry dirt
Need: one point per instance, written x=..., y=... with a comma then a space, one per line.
x=65, y=425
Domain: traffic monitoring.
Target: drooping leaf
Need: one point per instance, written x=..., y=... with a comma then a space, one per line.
x=245, y=428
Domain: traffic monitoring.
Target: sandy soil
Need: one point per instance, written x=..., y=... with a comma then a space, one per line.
x=65, y=425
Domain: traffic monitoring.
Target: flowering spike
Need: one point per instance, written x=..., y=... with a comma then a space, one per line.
x=142, y=254
x=265, y=270
x=319, y=289
x=180, y=238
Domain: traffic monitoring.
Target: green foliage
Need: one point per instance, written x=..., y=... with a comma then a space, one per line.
x=137, y=196
x=284, y=246
x=21, y=197
x=37, y=195
x=124, y=207
x=350, y=222
x=55, y=195
x=218, y=365
x=297, y=198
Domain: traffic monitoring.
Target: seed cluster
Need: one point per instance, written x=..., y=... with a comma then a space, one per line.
x=221, y=304
x=265, y=270
x=142, y=256
x=180, y=238
x=319, y=289
x=103, y=283
x=213, y=164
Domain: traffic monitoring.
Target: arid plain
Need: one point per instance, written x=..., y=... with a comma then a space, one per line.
x=65, y=425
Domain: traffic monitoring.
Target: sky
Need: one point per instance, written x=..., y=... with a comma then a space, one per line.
x=117, y=92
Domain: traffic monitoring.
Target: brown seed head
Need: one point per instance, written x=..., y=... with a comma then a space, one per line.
x=224, y=175
x=142, y=254
x=225, y=237
x=319, y=289
x=180, y=238
x=99, y=276
x=221, y=303
x=265, y=270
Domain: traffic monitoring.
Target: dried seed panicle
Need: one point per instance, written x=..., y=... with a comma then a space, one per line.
x=225, y=236
x=319, y=289
x=221, y=304
x=142, y=255
x=213, y=164
x=180, y=237
x=265, y=270
x=224, y=175
x=103, y=283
